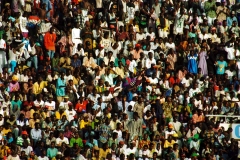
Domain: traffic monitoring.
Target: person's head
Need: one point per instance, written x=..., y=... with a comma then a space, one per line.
x=53, y=144
x=135, y=115
x=37, y=125
x=52, y=30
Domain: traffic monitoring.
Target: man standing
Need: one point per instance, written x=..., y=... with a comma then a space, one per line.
x=210, y=8
x=2, y=52
x=179, y=24
x=135, y=126
x=49, y=42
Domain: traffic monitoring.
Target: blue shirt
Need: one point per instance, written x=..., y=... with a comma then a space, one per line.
x=230, y=21
x=221, y=65
x=76, y=63
x=60, y=91
x=91, y=145
x=192, y=63
x=48, y=6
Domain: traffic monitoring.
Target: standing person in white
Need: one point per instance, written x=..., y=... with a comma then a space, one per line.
x=179, y=24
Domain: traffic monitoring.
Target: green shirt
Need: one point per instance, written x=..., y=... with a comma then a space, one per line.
x=55, y=62
x=52, y=152
x=78, y=141
x=209, y=8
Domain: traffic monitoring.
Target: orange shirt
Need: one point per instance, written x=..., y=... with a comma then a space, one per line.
x=49, y=41
x=81, y=106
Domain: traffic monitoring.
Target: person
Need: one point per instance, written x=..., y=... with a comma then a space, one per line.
x=49, y=42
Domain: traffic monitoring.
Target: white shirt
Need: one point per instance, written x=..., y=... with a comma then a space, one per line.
x=36, y=134
x=132, y=65
x=99, y=4
x=172, y=45
x=100, y=53
x=231, y=54
x=37, y=103
x=140, y=37
x=27, y=150
x=64, y=104
x=2, y=44
x=70, y=115
x=192, y=92
x=23, y=24
x=149, y=62
x=23, y=78
x=51, y=105
x=22, y=123
x=152, y=35
x=76, y=36
x=59, y=141
x=44, y=158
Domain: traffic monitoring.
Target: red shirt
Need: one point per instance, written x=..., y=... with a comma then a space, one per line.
x=81, y=106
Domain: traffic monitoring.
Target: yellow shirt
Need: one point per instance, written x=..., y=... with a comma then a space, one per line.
x=59, y=116
x=168, y=144
x=5, y=131
x=67, y=64
x=103, y=154
x=120, y=72
x=37, y=88
x=83, y=124
x=32, y=123
x=3, y=151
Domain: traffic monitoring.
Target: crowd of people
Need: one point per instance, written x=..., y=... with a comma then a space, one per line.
x=119, y=79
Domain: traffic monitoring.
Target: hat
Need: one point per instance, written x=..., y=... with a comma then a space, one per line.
x=170, y=126
x=112, y=26
x=148, y=80
x=24, y=133
x=45, y=90
x=66, y=97
x=175, y=135
x=134, y=142
x=7, y=4
x=176, y=88
x=101, y=46
x=37, y=44
x=121, y=142
x=194, y=155
x=135, y=95
x=204, y=14
x=196, y=136
x=59, y=153
x=233, y=12
x=85, y=115
x=223, y=1
x=50, y=96
x=137, y=45
x=14, y=78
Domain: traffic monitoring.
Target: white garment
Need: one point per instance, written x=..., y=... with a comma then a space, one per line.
x=70, y=115
x=23, y=24
x=99, y=4
x=59, y=141
x=76, y=38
